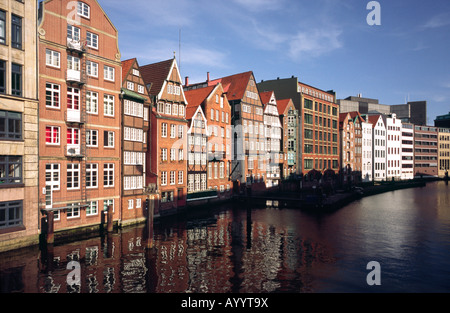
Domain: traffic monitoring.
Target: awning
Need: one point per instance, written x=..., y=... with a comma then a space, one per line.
x=133, y=95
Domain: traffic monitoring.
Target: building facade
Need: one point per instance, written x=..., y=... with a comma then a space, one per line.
x=168, y=135
x=443, y=121
x=444, y=151
x=80, y=115
x=19, y=225
x=289, y=122
x=136, y=106
x=393, y=147
x=367, y=150
x=425, y=151
x=407, y=151
x=273, y=135
x=379, y=147
x=318, y=132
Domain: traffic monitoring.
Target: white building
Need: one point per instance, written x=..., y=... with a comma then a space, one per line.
x=367, y=147
x=407, y=155
x=393, y=147
x=379, y=147
x=273, y=133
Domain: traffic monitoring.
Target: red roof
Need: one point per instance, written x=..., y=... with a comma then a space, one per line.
x=374, y=120
x=196, y=97
x=265, y=96
x=283, y=105
x=155, y=74
x=234, y=85
x=126, y=66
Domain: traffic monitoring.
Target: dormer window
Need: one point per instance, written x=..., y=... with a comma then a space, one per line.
x=83, y=10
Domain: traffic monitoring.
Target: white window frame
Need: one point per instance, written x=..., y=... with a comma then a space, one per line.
x=109, y=73
x=92, y=68
x=108, y=105
x=55, y=169
x=130, y=204
x=138, y=203
x=163, y=178
x=89, y=136
x=50, y=87
x=94, y=211
x=75, y=169
x=141, y=89
x=111, y=140
x=164, y=130
x=83, y=10
x=73, y=33
x=73, y=63
x=173, y=177
x=130, y=85
x=74, y=211
x=180, y=177
x=91, y=39
x=91, y=97
x=108, y=171
x=92, y=170
x=52, y=58
x=54, y=141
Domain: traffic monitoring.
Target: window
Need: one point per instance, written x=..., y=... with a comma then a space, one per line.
x=91, y=175
x=92, y=138
x=138, y=203
x=73, y=63
x=2, y=76
x=83, y=10
x=107, y=203
x=52, y=176
x=180, y=177
x=16, y=80
x=108, y=175
x=136, y=72
x=164, y=130
x=2, y=27
x=130, y=204
x=10, y=125
x=73, y=98
x=163, y=155
x=92, y=40
x=141, y=89
x=52, y=58
x=172, y=177
x=130, y=86
x=108, y=139
x=92, y=68
x=92, y=209
x=91, y=102
x=73, y=211
x=108, y=105
x=10, y=170
x=73, y=33
x=173, y=154
x=16, y=31
x=73, y=136
x=73, y=176
x=173, y=129
x=52, y=95
x=52, y=135
x=11, y=214
x=163, y=178
x=108, y=73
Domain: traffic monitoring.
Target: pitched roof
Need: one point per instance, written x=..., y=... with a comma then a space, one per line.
x=234, y=85
x=374, y=120
x=196, y=97
x=283, y=104
x=155, y=74
x=126, y=66
x=265, y=96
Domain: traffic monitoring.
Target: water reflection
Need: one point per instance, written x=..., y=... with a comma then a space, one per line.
x=257, y=251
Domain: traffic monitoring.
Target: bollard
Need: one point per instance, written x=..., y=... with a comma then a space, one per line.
x=50, y=227
x=110, y=219
x=150, y=204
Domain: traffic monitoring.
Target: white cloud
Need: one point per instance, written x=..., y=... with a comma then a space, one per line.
x=438, y=21
x=314, y=43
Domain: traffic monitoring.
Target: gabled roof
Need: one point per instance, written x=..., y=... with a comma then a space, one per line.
x=155, y=75
x=265, y=97
x=126, y=67
x=374, y=120
x=283, y=105
x=196, y=97
x=234, y=85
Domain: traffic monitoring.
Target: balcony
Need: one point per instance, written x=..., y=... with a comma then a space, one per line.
x=75, y=77
x=74, y=116
x=75, y=46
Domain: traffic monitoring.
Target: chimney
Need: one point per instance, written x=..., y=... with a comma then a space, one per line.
x=207, y=80
x=187, y=81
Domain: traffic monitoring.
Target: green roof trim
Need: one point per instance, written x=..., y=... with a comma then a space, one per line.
x=133, y=95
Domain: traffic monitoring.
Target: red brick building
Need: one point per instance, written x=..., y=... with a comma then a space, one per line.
x=80, y=113
x=134, y=141
x=289, y=122
x=168, y=134
x=247, y=116
x=217, y=111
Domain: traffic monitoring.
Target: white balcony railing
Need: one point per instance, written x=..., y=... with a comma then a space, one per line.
x=75, y=45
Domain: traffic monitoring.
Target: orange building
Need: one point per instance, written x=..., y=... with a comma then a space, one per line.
x=79, y=113
x=168, y=134
x=135, y=127
x=289, y=122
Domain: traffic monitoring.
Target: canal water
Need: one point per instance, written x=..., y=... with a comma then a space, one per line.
x=258, y=250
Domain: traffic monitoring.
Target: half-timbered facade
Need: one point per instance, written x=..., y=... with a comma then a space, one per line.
x=169, y=140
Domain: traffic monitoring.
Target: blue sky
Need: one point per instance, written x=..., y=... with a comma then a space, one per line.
x=326, y=43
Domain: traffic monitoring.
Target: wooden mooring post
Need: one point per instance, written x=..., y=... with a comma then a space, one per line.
x=110, y=219
x=50, y=235
x=150, y=207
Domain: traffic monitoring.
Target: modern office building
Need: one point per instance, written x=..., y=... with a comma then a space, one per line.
x=407, y=151
x=444, y=151
x=19, y=190
x=80, y=79
x=318, y=131
x=425, y=151
x=443, y=121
